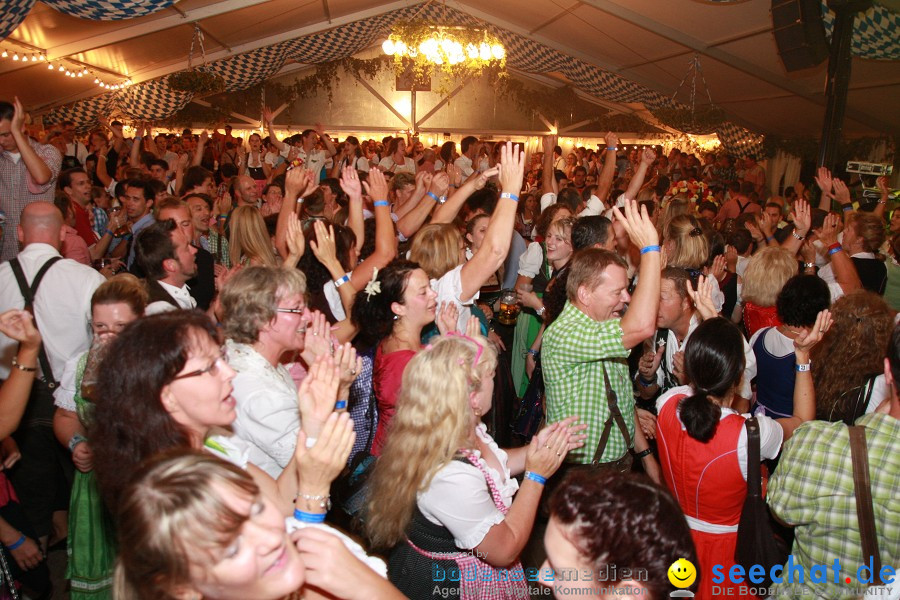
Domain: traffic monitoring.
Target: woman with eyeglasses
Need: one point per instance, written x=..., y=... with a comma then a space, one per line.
x=268, y=324
x=91, y=539
x=165, y=385
x=443, y=495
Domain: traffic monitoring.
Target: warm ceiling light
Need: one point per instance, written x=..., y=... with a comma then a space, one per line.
x=5, y=54
x=16, y=56
x=62, y=68
x=42, y=57
x=50, y=66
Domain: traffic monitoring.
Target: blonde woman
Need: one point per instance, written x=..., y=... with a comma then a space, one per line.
x=766, y=273
x=687, y=247
x=250, y=244
x=455, y=505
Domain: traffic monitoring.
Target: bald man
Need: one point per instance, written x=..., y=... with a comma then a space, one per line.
x=62, y=305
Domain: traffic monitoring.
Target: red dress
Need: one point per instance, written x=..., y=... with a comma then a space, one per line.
x=706, y=480
x=757, y=317
x=387, y=374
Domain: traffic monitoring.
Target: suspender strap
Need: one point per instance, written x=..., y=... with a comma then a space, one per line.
x=862, y=489
x=28, y=294
x=615, y=414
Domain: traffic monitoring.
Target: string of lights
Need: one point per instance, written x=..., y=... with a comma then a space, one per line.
x=68, y=67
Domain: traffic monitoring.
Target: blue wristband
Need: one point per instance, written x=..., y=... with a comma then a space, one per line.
x=382, y=203
x=847, y=207
x=340, y=405
x=835, y=249
x=535, y=477
x=18, y=543
x=510, y=196
x=433, y=196
x=339, y=282
x=305, y=517
x=647, y=249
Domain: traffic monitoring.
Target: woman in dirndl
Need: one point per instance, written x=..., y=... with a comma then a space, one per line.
x=443, y=494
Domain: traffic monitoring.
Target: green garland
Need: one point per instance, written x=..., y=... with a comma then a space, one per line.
x=808, y=148
x=196, y=81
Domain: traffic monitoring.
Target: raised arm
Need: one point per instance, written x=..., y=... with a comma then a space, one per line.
x=330, y=150
x=842, y=195
x=134, y=157
x=885, y=191
x=385, y=239
x=497, y=238
x=267, y=117
x=648, y=157
x=353, y=188
x=804, y=394
x=802, y=220
x=844, y=270
x=39, y=170
x=639, y=321
x=548, y=179
x=198, y=151
x=422, y=202
x=297, y=183
x=447, y=211
x=605, y=179
x=18, y=325
x=825, y=182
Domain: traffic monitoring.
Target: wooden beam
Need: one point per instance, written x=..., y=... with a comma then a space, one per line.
x=381, y=99
x=249, y=121
x=550, y=126
x=442, y=103
x=574, y=126
x=123, y=34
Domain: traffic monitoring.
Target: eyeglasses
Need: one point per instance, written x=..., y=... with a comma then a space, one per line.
x=212, y=369
x=293, y=311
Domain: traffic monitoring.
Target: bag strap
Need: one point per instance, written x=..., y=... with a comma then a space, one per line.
x=754, y=469
x=612, y=401
x=28, y=294
x=862, y=489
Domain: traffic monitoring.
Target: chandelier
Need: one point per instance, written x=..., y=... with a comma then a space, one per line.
x=457, y=51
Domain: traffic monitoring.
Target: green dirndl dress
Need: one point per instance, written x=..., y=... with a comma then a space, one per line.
x=91, y=545
x=527, y=327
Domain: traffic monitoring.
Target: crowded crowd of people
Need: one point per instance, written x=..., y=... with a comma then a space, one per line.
x=311, y=366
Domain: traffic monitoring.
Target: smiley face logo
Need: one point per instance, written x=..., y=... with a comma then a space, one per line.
x=682, y=573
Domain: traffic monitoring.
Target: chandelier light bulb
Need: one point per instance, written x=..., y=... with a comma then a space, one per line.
x=96, y=80
x=50, y=66
x=16, y=56
x=41, y=57
x=5, y=54
x=388, y=47
x=498, y=51
x=62, y=68
x=81, y=73
x=485, y=52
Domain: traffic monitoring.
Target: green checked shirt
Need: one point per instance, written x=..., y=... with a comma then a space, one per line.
x=574, y=353
x=813, y=489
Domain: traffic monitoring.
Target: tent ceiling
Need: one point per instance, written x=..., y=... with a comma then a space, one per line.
x=647, y=41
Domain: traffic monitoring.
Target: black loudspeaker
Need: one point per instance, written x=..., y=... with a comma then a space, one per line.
x=799, y=33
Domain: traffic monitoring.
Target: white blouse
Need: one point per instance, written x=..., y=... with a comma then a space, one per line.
x=460, y=500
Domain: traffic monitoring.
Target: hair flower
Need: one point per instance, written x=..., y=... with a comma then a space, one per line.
x=373, y=288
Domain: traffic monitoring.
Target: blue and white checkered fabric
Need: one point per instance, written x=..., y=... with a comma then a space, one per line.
x=876, y=32
x=155, y=100
x=108, y=10
x=12, y=13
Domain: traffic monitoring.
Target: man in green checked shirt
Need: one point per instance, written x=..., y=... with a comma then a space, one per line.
x=585, y=351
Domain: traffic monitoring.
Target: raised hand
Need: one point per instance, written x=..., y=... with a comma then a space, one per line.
x=296, y=243
x=731, y=258
x=612, y=139
x=841, y=192
x=319, y=465
x=376, y=186
x=267, y=115
x=829, y=231
x=324, y=246
x=317, y=339
x=717, y=271
x=648, y=157
x=702, y=297
x=512, y=168
x=640, y=229
x=802, y=217
x=440, y=183
x=447, y=317
x=473, y=327
x=481, y=179
x=550, y=143
x=350, y=182
x=824, y=181
x=295, y=182
x=18, y=120
x=317, y=394
x=349, y=366
x=19, y=325
x=649, y=363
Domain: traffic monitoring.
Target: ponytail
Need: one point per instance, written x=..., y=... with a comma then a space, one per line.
x=700, y=416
